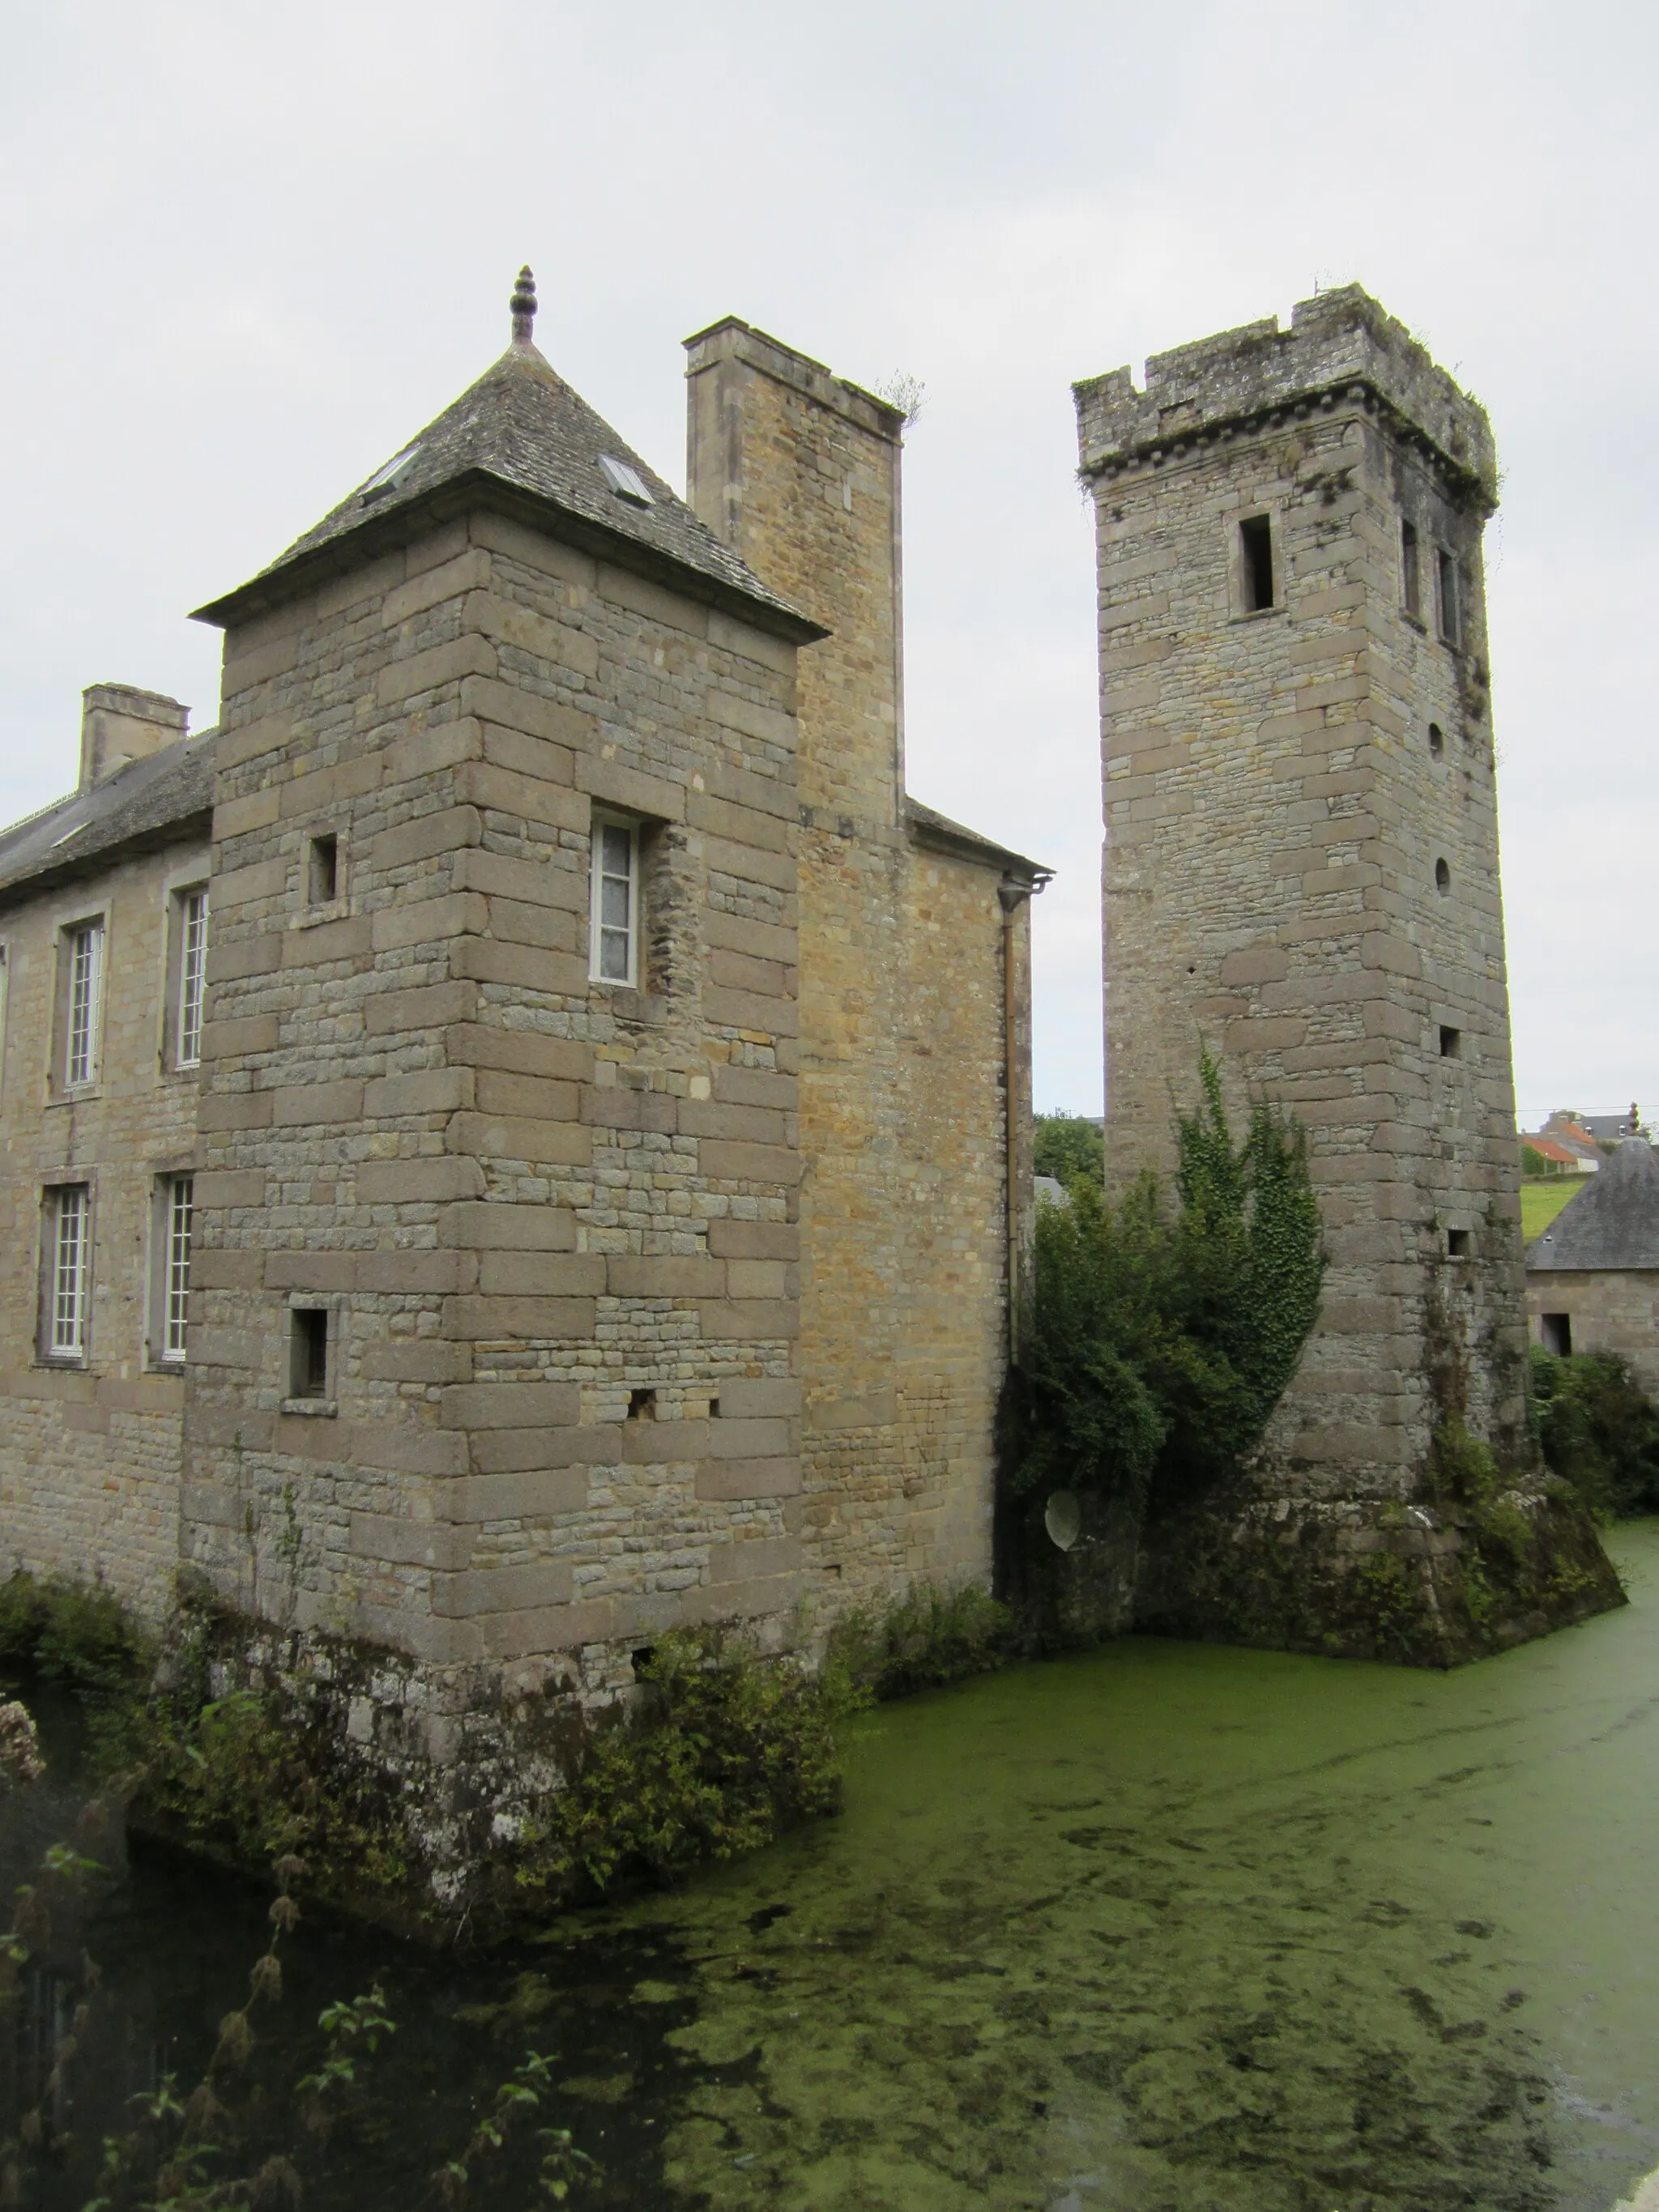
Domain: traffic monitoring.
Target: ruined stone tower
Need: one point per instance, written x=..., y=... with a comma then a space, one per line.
x=1301, y=855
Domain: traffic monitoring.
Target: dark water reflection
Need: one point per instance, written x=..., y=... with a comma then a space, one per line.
x=1164, y=1928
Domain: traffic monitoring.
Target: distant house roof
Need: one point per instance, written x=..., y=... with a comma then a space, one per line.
x=1550, y=1149
x=149, y=802
x=521, y=440
x=1612, y=1223
x=1051, y=1189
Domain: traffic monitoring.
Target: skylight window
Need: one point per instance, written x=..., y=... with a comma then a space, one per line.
x=384, y=480
x=627, y=482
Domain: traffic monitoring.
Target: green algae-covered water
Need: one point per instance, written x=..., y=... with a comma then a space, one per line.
x=1165, y=1927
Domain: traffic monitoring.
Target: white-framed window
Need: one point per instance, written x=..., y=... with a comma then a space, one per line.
x=83, y=949
x=614, y=915
x=66, y=1225
x=5, y=980
x=192, y=924
x=178, y=1195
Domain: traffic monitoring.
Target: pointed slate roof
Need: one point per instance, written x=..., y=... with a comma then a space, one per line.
x=1612, y=1224
x=522, y=440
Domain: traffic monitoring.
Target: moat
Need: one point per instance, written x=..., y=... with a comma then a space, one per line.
x=1164, y=1927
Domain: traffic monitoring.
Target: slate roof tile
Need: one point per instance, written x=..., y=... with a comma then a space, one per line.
x=1612, y=1224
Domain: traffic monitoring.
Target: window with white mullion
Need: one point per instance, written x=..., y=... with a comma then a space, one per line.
x=192, y=975
x=85, y=986
x=180, y=1198
x=614, y=921
x=69, y=1274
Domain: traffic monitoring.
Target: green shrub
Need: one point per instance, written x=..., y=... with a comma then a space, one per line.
x=723, y=1751
x=1070, y=1151
x=930, y=1637
x=74, y=1633
x=1598, y=1430
x=1156, y=1348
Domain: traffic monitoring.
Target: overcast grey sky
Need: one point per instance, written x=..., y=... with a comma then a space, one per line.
x=245, y=252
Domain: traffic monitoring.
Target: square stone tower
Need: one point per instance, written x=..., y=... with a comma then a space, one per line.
x=1301, y=855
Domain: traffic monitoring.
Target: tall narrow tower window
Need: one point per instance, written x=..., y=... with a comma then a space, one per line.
x=1255, y=539
x=66, y=1291
x=614, y=919
x=192, y=975
x=1448, y=610
x=1411, y=574
x=1443, y=878
x=86, y=977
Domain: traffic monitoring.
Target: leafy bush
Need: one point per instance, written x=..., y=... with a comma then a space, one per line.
x=1156, y=1348
x=1070, y=1151
x=74, y=1633
x=930, y=1637
x=1598, y=1429
x=723, y=1751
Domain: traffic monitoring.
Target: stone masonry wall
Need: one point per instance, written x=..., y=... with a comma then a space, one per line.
x=1612, y=1310
x=903, y=1208
x=1281, y=789
x=89, y=1450
x=525, y=1199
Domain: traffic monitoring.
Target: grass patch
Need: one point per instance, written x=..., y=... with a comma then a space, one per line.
x=930, y=1637
x=1542, y=1201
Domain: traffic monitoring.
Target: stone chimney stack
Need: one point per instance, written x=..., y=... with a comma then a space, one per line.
x=120, y=725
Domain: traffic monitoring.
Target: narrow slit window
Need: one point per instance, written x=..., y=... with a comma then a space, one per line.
x=614, y=923
x=86, y=979
x=175, y=1285
x=1436, y=741
x=324, y=870
x=192, y=975
x=1556, y=1332
x=1255, y=539
x=1449, y=607
x=1411, y=573
x=66, y=1315
x=1451, y=1044
x=1443, y=878
x=308, y=1352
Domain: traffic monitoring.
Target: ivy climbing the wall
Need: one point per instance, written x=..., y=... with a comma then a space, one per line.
x=1161, y=1336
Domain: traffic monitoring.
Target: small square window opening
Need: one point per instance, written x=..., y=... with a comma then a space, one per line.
x=641, y=1404
x=1410, y=579
x=1255, y=539
x=613, y=924
x=308, y=1352
x=1555, y=1334
x=1452, y=1044
x=323, y=871
x=1457, y=1243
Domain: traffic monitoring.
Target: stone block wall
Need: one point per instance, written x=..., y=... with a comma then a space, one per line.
x=903, y=1098
x=1612, y=1310
x=1301, y=855
x=90, y=1449
x=552, y=1223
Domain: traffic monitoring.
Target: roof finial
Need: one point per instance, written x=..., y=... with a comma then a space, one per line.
x=523, y=304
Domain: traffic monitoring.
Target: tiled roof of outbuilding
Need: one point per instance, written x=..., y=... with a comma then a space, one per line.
x=1612, y=1224
x=522, y=437
x=148, y=802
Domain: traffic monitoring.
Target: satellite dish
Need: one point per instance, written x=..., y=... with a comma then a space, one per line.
x=1062, y=1516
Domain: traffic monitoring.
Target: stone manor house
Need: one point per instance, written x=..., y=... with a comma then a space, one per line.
x=519, y=1135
